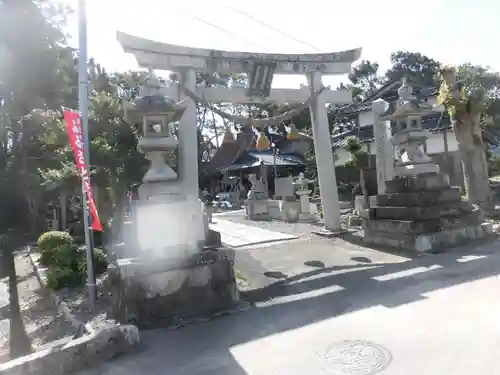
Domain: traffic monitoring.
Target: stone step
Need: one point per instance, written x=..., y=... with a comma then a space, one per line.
x=421, y=182
x=422, y=226
x=429, y=242
x=421, y=213
x=418, y=198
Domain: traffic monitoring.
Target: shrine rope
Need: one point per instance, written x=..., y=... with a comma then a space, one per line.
x=276, y=120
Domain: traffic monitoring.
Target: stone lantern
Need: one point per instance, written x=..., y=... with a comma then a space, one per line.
x=157, y=114
x=162, y=202
x=410, y=138
x=173, y=274
x=417, y=209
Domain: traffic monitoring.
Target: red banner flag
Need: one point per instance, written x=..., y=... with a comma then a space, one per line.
x=75, y=132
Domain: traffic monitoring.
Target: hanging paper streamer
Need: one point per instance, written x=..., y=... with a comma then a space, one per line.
x=75, y=132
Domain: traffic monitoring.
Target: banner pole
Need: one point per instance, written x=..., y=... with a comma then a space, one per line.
x=83, y=104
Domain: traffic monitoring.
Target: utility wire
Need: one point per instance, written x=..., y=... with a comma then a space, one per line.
x=227, y=32
x=272, y=27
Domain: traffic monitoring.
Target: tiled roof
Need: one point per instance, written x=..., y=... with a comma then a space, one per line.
x=434, y=124
x=389, y=93
x=254, y=158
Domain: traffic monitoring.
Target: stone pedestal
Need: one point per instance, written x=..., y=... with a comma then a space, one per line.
x=304, y=200
x=257, y=205
x=422, y=213
x=284, y=209
x=359, y=202
x=413, y=160
x=170, y=291
x=305, y=207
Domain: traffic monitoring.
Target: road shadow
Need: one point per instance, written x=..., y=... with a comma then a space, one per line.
x=208, y=348
x=315, y=264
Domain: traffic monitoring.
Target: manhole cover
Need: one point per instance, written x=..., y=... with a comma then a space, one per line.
x=355, y=357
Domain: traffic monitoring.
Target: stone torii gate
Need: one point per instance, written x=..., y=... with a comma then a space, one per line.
x=260, y=68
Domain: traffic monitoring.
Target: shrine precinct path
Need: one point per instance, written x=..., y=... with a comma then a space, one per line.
x=237, y=235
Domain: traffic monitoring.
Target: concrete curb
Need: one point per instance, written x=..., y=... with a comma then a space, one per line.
x=66, y=356
x=62, y=306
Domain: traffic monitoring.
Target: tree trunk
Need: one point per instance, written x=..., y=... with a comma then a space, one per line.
x=33, y=214
x=19, y=344
x=477, y=184
x=467, y=127
x=472, y=152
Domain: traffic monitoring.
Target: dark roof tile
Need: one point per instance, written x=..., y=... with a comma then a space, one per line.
x=434, y=124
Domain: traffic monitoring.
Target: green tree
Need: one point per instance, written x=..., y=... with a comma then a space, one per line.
x=364, y=79
x=33, y=74
x=358, y=161
x=115, y=161
x=416, y=67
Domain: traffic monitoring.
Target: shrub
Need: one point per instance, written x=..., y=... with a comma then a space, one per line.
x=100, y=260
x=64, y=267
x=68, y=266
x=48, y=242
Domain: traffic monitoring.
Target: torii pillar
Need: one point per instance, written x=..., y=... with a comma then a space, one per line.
x=324, y=158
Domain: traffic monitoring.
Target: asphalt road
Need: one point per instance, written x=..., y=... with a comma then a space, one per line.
x=426, y=316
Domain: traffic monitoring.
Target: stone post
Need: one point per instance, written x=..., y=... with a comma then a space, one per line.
x=188, y=132
x=324, y=157
x=384, y=152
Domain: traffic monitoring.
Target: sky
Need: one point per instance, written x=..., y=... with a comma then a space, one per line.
x=451, y=31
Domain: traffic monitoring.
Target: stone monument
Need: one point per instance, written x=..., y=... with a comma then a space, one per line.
x=284, y=205
x=307, y=212
x=256, y=203
x=283, y=188
x=174, y=274
x=418, y=209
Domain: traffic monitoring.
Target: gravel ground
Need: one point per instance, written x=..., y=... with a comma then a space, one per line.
x=78, y=302
x=42, y=321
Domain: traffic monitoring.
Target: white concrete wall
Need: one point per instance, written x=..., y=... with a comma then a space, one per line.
x=432, y=100
x=435, y=145
x=366, y=118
